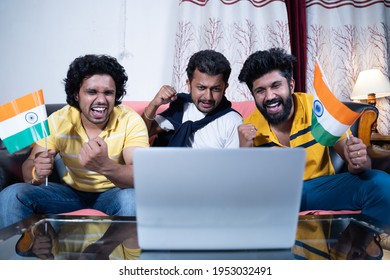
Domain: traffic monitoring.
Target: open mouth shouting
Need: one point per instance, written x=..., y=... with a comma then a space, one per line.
x=273, y=106
x=99, y=112
x=206, y=106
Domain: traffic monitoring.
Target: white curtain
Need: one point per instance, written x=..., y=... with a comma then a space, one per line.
x=348, y=37
x=234, y=28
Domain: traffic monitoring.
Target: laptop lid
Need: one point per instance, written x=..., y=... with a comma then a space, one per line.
x=217, y=199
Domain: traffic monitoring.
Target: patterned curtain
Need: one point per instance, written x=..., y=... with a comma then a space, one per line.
x=233, y=27
x=348, y=37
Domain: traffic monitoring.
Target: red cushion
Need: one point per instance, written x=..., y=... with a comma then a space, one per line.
x=85, y=212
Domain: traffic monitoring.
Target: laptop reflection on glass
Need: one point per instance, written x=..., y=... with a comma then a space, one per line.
x=217, y=199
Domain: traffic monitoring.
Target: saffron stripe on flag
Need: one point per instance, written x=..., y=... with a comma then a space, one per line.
x=26, y=137
x=22, y=121
x=334, y=106
x=20, y=105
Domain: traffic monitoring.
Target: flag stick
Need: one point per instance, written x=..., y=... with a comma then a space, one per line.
x=346, y=133
x=47, y=178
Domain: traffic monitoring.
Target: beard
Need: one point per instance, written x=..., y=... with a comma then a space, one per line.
x=280, y=117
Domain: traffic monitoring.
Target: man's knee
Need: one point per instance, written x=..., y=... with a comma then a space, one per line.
x=11, y=192
x=379, y=181
x=126, y=197
x=125, y=202
x=377, y=189
x=10, y=204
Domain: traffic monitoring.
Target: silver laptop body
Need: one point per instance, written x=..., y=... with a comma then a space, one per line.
x=217, y=199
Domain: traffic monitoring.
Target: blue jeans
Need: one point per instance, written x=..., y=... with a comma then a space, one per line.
x=368, y=192
x=22, y=200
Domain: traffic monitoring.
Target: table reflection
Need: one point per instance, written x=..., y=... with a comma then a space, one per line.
x=53, y=239
x=317, y=238
x=333, y=239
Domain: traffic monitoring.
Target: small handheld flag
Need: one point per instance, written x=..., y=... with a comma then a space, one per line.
x=330, y=117
x=23, y=121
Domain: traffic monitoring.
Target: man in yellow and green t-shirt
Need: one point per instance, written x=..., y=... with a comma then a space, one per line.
x=284, y=119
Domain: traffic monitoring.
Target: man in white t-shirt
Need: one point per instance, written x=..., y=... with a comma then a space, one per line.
x=203, y=118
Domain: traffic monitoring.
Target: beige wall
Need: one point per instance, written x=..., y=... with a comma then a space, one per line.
x=39, y=39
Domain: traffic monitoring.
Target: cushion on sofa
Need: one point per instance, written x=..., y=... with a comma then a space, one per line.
x=245, y=108
x=85, y=212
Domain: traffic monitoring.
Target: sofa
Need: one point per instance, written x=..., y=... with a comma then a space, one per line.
x=10, y=164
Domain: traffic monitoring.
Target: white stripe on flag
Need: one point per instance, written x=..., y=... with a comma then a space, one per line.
x=328, y=122
x=22, y=121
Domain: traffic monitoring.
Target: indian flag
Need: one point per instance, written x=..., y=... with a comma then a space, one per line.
x=23, y=121
x=330, y=118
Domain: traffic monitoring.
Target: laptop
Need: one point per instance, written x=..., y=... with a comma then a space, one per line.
x=217, y=199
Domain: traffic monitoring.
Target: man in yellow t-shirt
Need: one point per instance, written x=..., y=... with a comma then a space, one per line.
x=283, y=119
x=95, y=136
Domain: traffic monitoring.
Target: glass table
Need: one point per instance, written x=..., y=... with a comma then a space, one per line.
x=79, y=237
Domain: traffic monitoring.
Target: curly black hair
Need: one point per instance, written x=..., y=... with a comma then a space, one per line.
x=88, y=65
x=209, y=62
x=262, y=62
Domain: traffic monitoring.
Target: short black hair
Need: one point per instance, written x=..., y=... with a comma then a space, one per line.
x=262, y=62
x=88, y=65
x=209, y=62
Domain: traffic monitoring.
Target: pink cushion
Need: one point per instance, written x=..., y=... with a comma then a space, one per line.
x=139, y=106
x=245, y=108
x=85, y=212
x=329, y=212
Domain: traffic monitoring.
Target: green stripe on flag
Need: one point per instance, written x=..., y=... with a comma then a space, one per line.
x=26, y=137
x=321, y=135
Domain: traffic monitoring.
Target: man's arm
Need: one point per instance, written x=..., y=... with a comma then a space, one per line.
x=165, y=95
x=38, y=165
x=354, y=153
x=94, y=156
x=246, y=134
